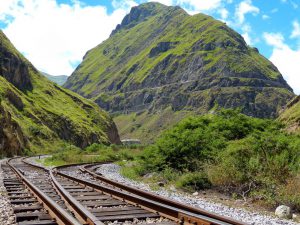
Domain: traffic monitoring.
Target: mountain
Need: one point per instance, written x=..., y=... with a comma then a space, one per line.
x=38, y=115
x=291, y=115
x=161, y=64
x=60, y=80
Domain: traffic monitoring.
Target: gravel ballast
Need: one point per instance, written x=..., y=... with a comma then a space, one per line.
x=112, y=171
x=6, y=211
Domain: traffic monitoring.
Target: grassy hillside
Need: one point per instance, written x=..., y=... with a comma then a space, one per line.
x=147, y=126
x=291, y=115
x=38, y=115
x=160, y=57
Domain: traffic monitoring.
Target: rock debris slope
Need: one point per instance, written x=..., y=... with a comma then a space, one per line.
x=37, y=114
x=161, y=64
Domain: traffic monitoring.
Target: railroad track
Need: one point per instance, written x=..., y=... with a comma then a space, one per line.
x=34, y=199
x=77, y=195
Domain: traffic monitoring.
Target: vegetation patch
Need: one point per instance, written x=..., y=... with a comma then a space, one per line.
x=94, y=153
x=239, y=155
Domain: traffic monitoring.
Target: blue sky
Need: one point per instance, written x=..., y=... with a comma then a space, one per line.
x=55, y=34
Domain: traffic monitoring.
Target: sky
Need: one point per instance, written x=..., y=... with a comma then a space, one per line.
x=55, y=34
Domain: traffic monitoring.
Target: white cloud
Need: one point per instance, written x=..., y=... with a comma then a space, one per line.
x=244, y=8
x=7, y=6
x=54, y=36
x=165, y=2
x=274, y=39
x=117, y=4
x=296, y=30
x=224, y=13
x=247, y=30
x=247, y=38
x=200, y=5
x=265, y=17
x=286, y=59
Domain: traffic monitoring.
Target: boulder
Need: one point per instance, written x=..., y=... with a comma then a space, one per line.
x=283, y=212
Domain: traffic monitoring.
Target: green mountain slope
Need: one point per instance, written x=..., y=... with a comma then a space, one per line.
x=60, y=80
x=161, y=60
x=291, y=115
x=39, y=115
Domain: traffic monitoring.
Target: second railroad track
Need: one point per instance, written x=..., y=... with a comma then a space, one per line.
x=75, y=194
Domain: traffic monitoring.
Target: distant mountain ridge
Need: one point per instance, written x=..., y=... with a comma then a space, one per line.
x=60, y=80
x=161, y=64
x=38, y=115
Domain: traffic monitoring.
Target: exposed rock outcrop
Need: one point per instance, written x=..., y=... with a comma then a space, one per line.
x=14, y=99
x=160, y=48
x=140, y=14
x=12, y=138
x=13, y=67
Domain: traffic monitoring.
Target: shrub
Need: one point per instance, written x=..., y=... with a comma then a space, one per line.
x=193, y=181
x=95, y=148
x=289, y=193
x=169, y=174
x=263, y=161
x=238, y=154
x=198, y=140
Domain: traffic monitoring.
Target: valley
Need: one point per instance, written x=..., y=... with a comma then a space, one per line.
x=216, y=129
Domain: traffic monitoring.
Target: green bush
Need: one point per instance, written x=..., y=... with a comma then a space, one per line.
x=257, y=164
x=289, y=193
x=132, y=171
x=95, y=148
x=169, y=174
x=193, y=181
x=235, y=153
x=197, y=140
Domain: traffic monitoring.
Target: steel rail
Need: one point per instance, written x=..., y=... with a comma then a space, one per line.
x=55, y=211
x=84, y=214
x=176, y=211
x=160, y=199
x=179, y=212
x=82, y=211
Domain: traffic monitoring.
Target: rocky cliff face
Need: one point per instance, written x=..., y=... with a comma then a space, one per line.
x=13, y=67
x=37, y=114
x=160, y=57
x=12, y=138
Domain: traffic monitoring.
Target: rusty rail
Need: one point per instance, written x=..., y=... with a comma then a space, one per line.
x=172, y=209
x=81, y=211
x=181, y=213
x=84, y=215
x=55, y=211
